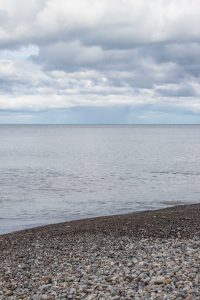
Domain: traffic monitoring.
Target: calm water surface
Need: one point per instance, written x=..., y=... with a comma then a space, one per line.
x=50, y=174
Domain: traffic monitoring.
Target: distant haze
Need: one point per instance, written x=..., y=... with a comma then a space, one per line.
x=100, y=62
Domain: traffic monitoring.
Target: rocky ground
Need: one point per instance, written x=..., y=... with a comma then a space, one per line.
x=150, y=255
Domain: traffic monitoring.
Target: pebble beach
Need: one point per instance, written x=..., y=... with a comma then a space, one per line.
x=146, y=255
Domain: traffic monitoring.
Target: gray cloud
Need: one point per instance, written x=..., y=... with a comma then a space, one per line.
x=120, y=24
x=67, y=54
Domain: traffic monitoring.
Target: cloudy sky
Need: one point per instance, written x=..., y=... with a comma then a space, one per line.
x=91, y=61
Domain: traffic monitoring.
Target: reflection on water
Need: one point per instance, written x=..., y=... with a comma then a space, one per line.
x=56, y=173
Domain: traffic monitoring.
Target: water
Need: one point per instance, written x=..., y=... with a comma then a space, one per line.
x=51, y=174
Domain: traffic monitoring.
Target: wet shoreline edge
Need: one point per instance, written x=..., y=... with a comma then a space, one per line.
x=177, y=221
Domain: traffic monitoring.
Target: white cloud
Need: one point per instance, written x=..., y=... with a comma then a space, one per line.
x=35, y=89
x=114, y=23
x=61, y=54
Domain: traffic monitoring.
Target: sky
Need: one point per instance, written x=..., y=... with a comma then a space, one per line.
x=99, y=62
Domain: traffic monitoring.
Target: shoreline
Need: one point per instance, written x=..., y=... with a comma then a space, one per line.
x=145, y=255
x=174, y=221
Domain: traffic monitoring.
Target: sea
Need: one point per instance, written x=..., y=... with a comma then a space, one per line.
x=57, y=173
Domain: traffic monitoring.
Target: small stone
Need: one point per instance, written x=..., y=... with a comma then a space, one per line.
x=9, y=293
x=158, y=280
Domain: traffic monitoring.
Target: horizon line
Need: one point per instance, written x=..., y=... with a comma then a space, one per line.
x=97, y=124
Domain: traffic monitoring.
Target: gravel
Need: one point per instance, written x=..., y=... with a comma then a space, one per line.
x=118, y=257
